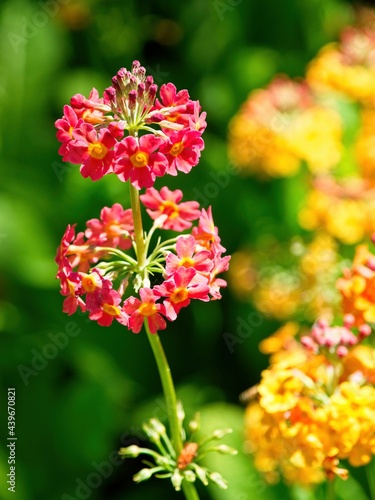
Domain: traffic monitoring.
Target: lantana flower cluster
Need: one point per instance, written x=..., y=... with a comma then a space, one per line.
x=343, y=208
x=280, y=127
x=348, y=66
x=95, y=266
x=314, y=408
x=325, y=120
x=102, y=134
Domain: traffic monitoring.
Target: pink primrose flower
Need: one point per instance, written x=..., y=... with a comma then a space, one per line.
x=92, y=149
x=139, y=161
x=108, y=309
x=94, y=285
x=183, y=150
x=170, y=97
x=220, y=265
x=167, y=202
x=65, y=127
x=113, y=229
x=206, y=233
x=146, y=308
x=70, y=284
x=185, y=284
x=91, y=109
x=62, y=250
x=197, y=121
x=186, y=257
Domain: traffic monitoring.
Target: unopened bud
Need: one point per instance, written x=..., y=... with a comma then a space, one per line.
x=143, y=475
x=219, y=480
x=220, y=433
x=226, y=450
x=177, y=479
x=130, y=451
x=194, y=424
x=158, y=426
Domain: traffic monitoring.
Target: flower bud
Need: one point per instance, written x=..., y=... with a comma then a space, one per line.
x=157, y=426
x=226, y=450
x=177, y=479
x=130, y=451
x=220, y=433
x=194, y=424
x=189, y=476
x=219, y=480
x=143, y=475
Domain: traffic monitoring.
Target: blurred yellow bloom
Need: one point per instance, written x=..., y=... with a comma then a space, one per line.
x=347, y=67
x=279, y=127
x=344, y=210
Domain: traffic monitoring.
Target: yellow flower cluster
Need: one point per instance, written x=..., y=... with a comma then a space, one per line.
x=279, y=127
x=347, y=67
x=282, y=292
x=311, y=413
x=345, y=210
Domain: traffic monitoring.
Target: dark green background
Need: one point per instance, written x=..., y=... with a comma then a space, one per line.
x=77, y=408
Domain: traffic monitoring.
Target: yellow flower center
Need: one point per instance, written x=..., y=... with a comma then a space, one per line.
x=173, y=117
x=147, y=309
x=97, y=150
x=179, y=295
x=169, y=208
x=89, y=283
x=187, y=262
x=111, y=310
x=176, y=149
x=139, y=159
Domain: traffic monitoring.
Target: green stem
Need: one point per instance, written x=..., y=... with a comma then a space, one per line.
x=168, y=388
x=138, y=227
x=156, y=346
x=171, y=402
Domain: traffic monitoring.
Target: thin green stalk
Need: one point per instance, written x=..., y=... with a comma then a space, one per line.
x=168, y=388
x=171, y=402
x=156, y=346
x=138, y=227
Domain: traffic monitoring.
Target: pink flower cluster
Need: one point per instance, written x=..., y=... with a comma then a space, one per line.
x=335, y=339
x=94, y=270
x=103, y=134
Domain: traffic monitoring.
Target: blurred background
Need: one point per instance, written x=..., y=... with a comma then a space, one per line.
x=82, y=391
